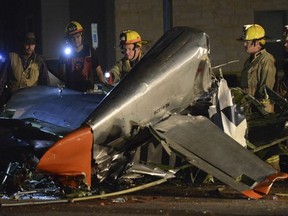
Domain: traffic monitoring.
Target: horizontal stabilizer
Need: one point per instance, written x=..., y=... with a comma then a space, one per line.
x=206, y=146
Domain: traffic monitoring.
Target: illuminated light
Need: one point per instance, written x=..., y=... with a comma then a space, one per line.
x=2, y=58
x=67, y=50
x=107, y=75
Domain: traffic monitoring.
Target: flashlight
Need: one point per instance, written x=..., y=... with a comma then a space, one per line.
x=107, y=75
x=67, y=48
x=108, y=78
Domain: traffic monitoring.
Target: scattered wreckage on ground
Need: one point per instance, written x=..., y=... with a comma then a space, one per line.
x=78, y=144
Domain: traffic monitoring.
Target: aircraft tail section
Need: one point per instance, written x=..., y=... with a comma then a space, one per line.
x=205, y=146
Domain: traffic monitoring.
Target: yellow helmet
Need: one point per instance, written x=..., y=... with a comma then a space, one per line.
x=285, y=33
x=73, y=27
x=253, y=32
x=130, y=37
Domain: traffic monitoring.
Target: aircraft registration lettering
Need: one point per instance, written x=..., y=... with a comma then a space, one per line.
x=161, y=108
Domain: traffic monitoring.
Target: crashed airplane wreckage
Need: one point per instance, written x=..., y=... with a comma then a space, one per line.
x=82, y=140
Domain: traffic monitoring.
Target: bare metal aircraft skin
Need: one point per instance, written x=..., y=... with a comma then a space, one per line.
x=149, y=104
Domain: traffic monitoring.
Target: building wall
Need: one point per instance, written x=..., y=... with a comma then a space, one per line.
x=222, y=20
x=54, y=17
x=145, y=17
x=102, y=13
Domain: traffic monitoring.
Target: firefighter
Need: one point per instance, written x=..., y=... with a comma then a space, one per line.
x=259, y=69
x=283, y=90
x=130, y=44
x=283, y=86
x=285, y=38
x=80, y=69
x=24, y=68
x=259, y=72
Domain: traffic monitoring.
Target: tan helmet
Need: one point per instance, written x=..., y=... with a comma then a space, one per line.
x=285, y=33
x=130, y=37
x=73, y=27
x=253, y=32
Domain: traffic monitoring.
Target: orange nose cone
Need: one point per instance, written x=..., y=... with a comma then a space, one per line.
x=70, y=156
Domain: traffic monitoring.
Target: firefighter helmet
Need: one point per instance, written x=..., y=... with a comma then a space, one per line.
x=285, y=33
x=130, y=37
x=253, y=32
x=73, y=27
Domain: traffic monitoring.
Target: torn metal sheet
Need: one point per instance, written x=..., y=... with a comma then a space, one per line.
x=153, y=171
x=216, y=152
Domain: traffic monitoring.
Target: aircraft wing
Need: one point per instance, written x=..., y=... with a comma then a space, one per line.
x=61, y=107
x=207, y=147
